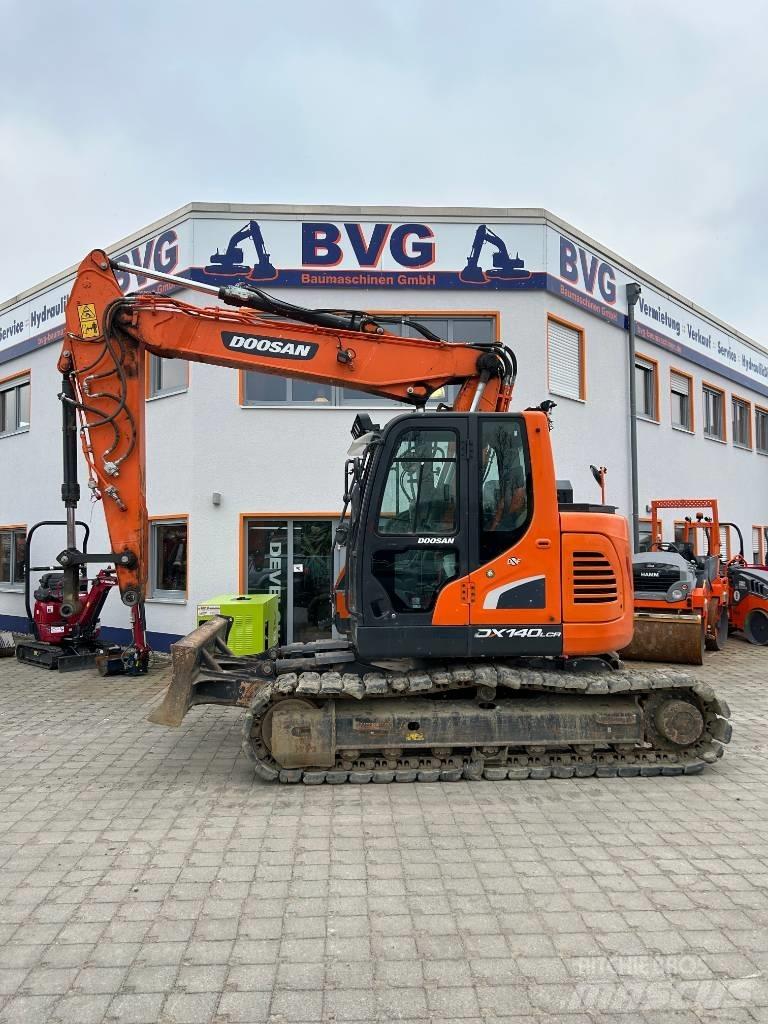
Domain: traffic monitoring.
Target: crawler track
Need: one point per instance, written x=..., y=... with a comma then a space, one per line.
x=481, y=681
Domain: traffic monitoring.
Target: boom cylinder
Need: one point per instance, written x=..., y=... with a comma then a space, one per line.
x=70, y=493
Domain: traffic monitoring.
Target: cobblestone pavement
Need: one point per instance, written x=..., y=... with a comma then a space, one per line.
x=146, y=876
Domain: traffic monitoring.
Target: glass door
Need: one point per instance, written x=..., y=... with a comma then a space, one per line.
x=267, y=563
x=311, y=568
x=293, y=558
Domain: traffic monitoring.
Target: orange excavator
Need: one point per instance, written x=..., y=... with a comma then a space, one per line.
x=480, y=608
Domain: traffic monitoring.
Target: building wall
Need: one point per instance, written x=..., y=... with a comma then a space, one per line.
x=290, y=459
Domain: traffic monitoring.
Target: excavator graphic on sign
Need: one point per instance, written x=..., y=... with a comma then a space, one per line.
x=231, y=262
x=504, y=267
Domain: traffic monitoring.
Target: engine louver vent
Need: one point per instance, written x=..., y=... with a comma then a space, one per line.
x=594, y=581
x=757, y=587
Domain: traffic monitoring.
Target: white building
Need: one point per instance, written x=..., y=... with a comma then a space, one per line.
x=256, y=508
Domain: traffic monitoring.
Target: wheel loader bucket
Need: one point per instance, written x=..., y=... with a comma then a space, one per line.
x=662, y=637
x=195, y=651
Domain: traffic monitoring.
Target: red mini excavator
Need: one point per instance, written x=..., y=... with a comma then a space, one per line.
x=62, y=639
x=478, y=615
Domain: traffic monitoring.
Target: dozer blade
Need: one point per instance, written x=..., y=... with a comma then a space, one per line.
x=195, y=651
x=663, y=637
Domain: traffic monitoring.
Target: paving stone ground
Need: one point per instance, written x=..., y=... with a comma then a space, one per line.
x=146, y=876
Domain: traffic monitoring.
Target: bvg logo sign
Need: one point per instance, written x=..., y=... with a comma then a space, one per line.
x=160, y=253
x=327, y=245
x=368, y=254
x=586, y=271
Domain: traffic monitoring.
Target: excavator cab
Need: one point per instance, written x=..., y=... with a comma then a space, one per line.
x=445, y=543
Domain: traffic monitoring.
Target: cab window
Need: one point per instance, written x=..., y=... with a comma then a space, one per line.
x=506, y=495
x=420, y=492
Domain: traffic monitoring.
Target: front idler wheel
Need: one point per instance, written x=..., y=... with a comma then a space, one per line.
x=673, y=723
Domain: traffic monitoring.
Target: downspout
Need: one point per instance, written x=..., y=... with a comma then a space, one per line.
x=633, y=294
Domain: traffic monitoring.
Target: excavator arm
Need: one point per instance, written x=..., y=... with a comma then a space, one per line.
x=103, y=374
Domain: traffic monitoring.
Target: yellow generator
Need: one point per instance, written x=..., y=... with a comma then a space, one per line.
x=255, y=620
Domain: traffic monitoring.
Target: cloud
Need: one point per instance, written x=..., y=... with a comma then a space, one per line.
x=641, y=124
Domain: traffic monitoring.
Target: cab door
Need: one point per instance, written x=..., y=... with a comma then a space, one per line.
x=515, y=592
x=417, y=539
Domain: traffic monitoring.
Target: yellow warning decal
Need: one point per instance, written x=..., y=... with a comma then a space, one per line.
x=89, y=324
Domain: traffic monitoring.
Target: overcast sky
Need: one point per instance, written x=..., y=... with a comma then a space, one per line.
x=643, y=124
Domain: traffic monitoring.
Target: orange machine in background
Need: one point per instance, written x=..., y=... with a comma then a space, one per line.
x=688, y=595
x=681, y=597
x=748, y=595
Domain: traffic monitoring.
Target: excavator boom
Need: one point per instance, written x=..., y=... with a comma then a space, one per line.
x=103, y=357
